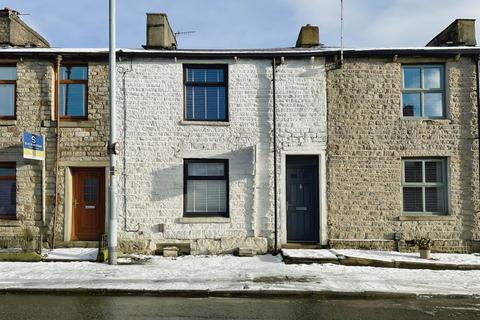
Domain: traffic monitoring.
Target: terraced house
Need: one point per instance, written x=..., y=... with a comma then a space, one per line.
x=62, y=95
x=200, y=129
x=250, y=150
x=403, y=158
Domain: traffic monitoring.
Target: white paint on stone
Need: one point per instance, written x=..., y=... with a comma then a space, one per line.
x=156, y=140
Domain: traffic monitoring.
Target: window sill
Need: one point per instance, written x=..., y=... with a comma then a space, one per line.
x=9, y=222
x=70, y=123
x=426, y=218
x=204, y=123
x=8, y=122
x=428, y=120
x=192, y=220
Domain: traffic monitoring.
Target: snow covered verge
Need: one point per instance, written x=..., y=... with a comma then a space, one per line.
x=446, y=260
x=443, y=258
x=228, y=273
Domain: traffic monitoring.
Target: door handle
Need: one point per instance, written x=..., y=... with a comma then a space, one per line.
x=75, y=203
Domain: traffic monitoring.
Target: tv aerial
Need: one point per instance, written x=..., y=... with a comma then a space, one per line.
x=181, y=33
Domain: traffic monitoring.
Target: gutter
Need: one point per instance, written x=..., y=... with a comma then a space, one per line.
x=234, y=293
x=292, y=54
x=102, y=54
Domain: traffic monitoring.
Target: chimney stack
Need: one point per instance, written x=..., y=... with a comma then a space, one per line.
x=460, y=32
x=16, y=33
x=159, y=32
x=308, y=37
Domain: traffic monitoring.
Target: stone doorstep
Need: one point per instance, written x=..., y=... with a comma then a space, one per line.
x=300, y=246
x=76, y=244
x=289, y=260
x=170, y=251
x=329, y=258
x=183, y=248
x=246, y=252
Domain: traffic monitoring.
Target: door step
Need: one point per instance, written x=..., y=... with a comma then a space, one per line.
x=76, y=244
x=71, y=254
x=307, y=256
x=301, y=246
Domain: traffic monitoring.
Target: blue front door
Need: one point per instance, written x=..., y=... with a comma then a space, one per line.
x=302, y=199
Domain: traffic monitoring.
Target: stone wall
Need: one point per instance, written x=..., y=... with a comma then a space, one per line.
x=157, y=140
x=33, y=96
x=367, y=138
x=82, y=142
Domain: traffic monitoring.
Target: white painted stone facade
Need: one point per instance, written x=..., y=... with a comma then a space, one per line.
x=156, y=140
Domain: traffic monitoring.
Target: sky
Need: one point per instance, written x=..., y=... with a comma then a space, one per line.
x=246, y=23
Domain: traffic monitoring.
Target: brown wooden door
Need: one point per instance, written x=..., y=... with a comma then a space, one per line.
x=88, y=203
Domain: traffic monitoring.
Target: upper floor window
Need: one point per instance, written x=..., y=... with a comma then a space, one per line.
x=425, y=186
x=73, y=91
x=8, y=83
x=7, y=190
x=206, y=187
x=423, y=91
x=206, y=92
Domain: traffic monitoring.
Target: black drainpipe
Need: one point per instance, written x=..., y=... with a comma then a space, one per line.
x=274, y=65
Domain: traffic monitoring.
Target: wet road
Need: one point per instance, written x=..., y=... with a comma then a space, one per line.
x=16, y=307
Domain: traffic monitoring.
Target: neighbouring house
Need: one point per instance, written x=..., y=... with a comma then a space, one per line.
x=403, y=134
x=38, y=86
x=259, y=149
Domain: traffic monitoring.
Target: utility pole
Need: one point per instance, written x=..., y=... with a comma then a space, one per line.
x=341, y=32
x=113, y=145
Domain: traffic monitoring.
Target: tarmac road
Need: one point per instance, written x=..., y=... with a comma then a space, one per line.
x=37, y=306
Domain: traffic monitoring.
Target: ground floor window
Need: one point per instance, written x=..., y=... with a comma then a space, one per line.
x=205, y=187
x=424, y=186
x=7, y=190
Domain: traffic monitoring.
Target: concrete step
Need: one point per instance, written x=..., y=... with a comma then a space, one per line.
x=71, y=254
x=76, y=244
x=307, y=256
x=301, y=246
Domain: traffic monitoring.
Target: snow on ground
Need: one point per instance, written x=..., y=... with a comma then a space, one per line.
x=72, y=254
x=389, y=256
x=323, y=254
x=220, y=273
x=444, y=258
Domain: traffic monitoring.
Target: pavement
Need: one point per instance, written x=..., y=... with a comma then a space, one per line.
x=228, y=275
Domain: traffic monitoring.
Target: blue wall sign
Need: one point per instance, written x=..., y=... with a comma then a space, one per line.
x=33, y=146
